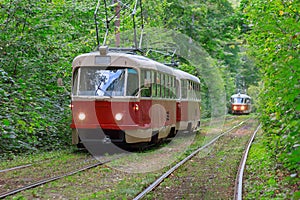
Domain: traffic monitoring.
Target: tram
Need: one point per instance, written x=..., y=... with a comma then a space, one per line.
x=129, y=99
x=240, y=104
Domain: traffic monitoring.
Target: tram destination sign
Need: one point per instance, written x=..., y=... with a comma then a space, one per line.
x=102, y=60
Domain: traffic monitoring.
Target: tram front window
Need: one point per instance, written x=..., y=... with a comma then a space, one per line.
x=238, y=100
x=101, y=82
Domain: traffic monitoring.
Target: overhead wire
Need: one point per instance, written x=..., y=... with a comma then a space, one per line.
x=124, y=5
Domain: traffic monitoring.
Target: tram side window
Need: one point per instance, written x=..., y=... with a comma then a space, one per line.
x=146, y=83
x=173, y=88
x=158, y=85
x=154, y=85
x=183, y=89
x=177, y=90
x=195, y=88
x=198, y=93
x=132, y=82
x=194, y=91
x=168, y=87
x=162, y=87
x=191, y=91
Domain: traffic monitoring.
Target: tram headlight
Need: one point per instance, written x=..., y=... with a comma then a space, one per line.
x=242, y=107
x=81, y=116
x=234, y=107
x=118, y=116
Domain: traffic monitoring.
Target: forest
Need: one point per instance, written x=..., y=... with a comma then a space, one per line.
x=258, y=40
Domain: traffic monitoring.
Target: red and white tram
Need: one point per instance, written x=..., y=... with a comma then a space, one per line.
x=240, y=104
x=131, y=99
x=188, y=101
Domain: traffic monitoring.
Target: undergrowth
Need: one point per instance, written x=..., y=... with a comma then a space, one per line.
x=265, y=178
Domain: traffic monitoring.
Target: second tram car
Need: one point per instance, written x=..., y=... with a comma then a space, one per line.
x=240, y=104
x=131, y=99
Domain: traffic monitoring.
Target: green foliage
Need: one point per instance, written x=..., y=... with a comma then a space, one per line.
x=39, y=39
x=215, y=26
x=253, y=92
x=274, y=39
x=264, y=181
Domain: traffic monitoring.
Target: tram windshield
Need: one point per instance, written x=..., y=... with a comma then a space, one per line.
x=238, y=100
x=92, y=81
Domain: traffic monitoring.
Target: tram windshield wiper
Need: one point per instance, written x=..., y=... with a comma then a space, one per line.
x=104, y=92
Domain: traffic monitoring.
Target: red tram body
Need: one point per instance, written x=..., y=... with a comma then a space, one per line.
x=240, y=104
x=131, y=98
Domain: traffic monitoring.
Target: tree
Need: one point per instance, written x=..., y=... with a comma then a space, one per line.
x=274, y=40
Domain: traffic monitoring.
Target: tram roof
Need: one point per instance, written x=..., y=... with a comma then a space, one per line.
x=130, y=60
x=240, y=96
x=120, y=59
x=184, y=75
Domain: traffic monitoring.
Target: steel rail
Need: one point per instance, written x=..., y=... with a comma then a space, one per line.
x=166, y=174
x=238, y=193
x=38, y=183
x=14, y=168
x=28, y=165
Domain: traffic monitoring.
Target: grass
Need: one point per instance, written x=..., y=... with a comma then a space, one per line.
x=267, y=180
x=36, y=157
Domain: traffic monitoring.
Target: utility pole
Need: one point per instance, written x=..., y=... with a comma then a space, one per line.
x=117, y=23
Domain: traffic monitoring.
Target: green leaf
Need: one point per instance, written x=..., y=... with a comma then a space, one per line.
x=6, y=122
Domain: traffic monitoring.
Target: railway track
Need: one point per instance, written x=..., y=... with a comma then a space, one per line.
x=239, y=180
x=15, y=168
x=27, y=163
x=167, y=174
x=87, y=164
x=110, y=181
x=44, y=181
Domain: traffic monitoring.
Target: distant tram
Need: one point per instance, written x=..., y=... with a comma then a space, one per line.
x=131, y=99
x=240, y=104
